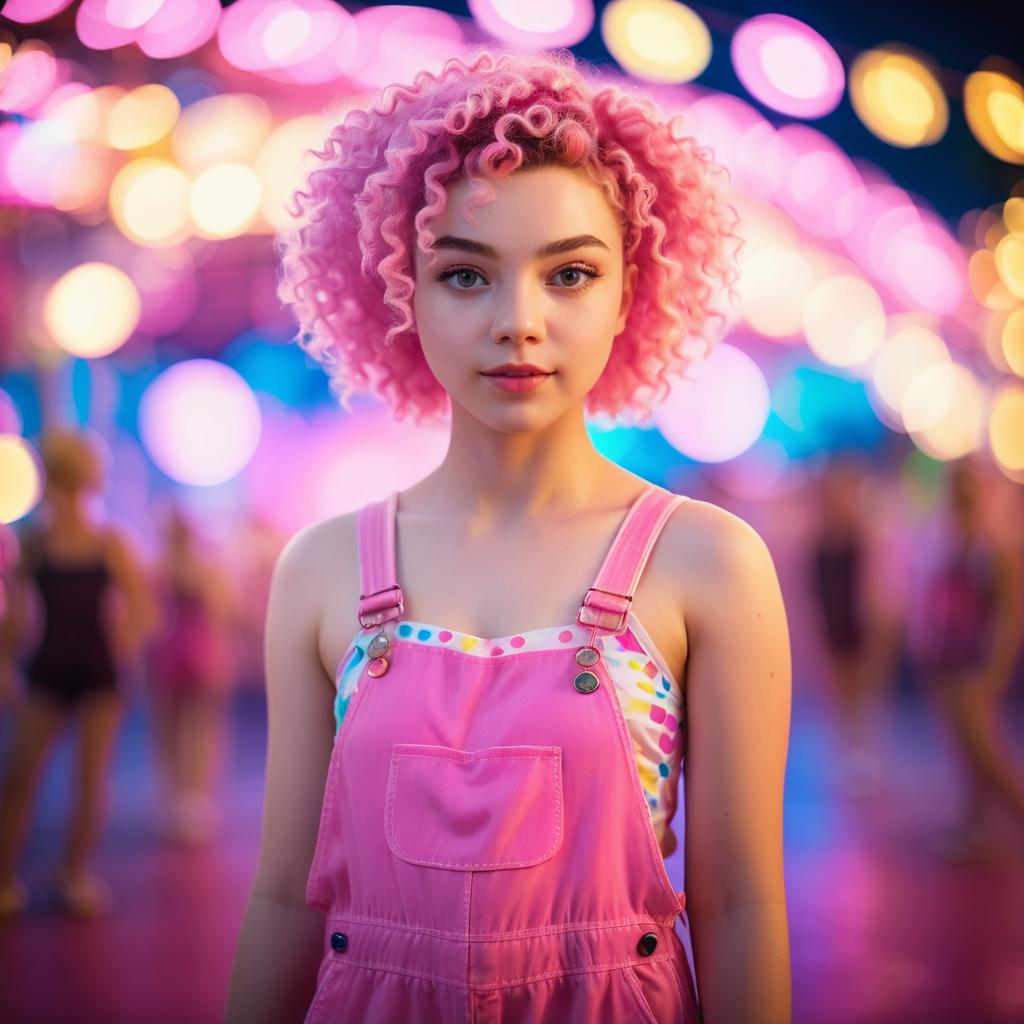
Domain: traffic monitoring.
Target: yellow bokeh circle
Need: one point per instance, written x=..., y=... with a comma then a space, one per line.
x=92, y=310
x=1006, y=428
x=20, y=478
x=898, y=98
x=659, y=40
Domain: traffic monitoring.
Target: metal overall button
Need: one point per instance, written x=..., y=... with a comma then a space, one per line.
x=379, y=646
x=586, y=682
x=587, y=656
x=339, y=942
x=648, y=944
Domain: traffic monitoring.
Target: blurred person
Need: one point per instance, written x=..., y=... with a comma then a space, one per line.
x=854, y=569
x=96, y=609
x=969, y=635
x=191, y=671
x=837, y=557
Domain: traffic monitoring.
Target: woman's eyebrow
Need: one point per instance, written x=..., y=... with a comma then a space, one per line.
x=548, y=249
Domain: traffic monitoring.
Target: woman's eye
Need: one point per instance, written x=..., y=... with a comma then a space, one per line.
x=462, y=276
x=579, y=274
x=465, y=277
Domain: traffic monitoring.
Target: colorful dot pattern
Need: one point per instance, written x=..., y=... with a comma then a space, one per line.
x=651, y=703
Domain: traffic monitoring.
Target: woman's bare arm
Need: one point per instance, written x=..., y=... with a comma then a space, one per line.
x=738, y=683
x=281, y=941
x=140, y=612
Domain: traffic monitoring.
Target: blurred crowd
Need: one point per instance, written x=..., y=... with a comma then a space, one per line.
x=89, y=625
x=894, y=575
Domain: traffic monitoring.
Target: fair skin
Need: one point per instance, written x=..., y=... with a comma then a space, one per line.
x=522, y=487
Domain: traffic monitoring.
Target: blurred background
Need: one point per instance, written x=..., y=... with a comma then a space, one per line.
x=161, y=432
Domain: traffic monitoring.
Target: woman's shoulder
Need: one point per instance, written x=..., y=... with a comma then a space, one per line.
x=717, y=553
x=322, y=552
x=324, y=539
x=708, y=531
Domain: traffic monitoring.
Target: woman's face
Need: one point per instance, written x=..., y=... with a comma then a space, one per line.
x=536, y=277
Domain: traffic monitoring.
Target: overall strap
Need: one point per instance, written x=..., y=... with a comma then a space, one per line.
x=606, y=604
x=380, y=597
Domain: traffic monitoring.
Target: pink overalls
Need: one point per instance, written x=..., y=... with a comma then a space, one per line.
x=485, y=851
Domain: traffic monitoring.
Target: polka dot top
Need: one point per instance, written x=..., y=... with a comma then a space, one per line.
x=650, y=697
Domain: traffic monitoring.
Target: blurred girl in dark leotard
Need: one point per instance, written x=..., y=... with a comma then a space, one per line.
x=84, y=580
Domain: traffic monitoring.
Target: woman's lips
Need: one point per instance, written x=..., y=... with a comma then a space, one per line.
x=517, y=383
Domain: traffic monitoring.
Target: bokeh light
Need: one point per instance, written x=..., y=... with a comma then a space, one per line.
x=199, y=422
x=1013, y=213
x=92, y=310
x=721, y=411
x=106, y=97
x=75, y=108
x=535, y=22
x=81, y=183
x=898, y=98
x=1006, y=428
x=229, y=128
x=34, y=162
x=994, y=108
x=844, y=321
x=738, y=136
x=905, y=354
x=149, y=201
x=282, y=165
x=29, y=77
x=1009, y=260
x=225, y=200
x=178, y=28
x=10, y=418
x=131, y=13
x=388, y=34
x=773, y=285
x=658, y=40
x=944, y=410
x=27, y=11
x=20, y=478
x=314, y=40
x=1013, y=341
x=812, y=177
x=787, y=66
x=97, y=31
x=985, y=282
x=142, y=117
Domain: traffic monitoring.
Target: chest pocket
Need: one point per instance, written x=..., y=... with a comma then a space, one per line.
x=480, y=810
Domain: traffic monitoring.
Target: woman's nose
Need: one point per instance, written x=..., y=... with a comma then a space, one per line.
x=519, y=312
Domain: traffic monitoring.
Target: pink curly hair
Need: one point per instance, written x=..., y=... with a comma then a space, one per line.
x=346, y=267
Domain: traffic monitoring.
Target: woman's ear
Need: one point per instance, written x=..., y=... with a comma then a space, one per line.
x=628, y=290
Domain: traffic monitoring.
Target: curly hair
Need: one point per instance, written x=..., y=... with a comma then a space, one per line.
x=346, y=263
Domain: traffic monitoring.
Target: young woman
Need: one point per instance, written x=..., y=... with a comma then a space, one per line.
x=96, y=609
x=520, y=642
